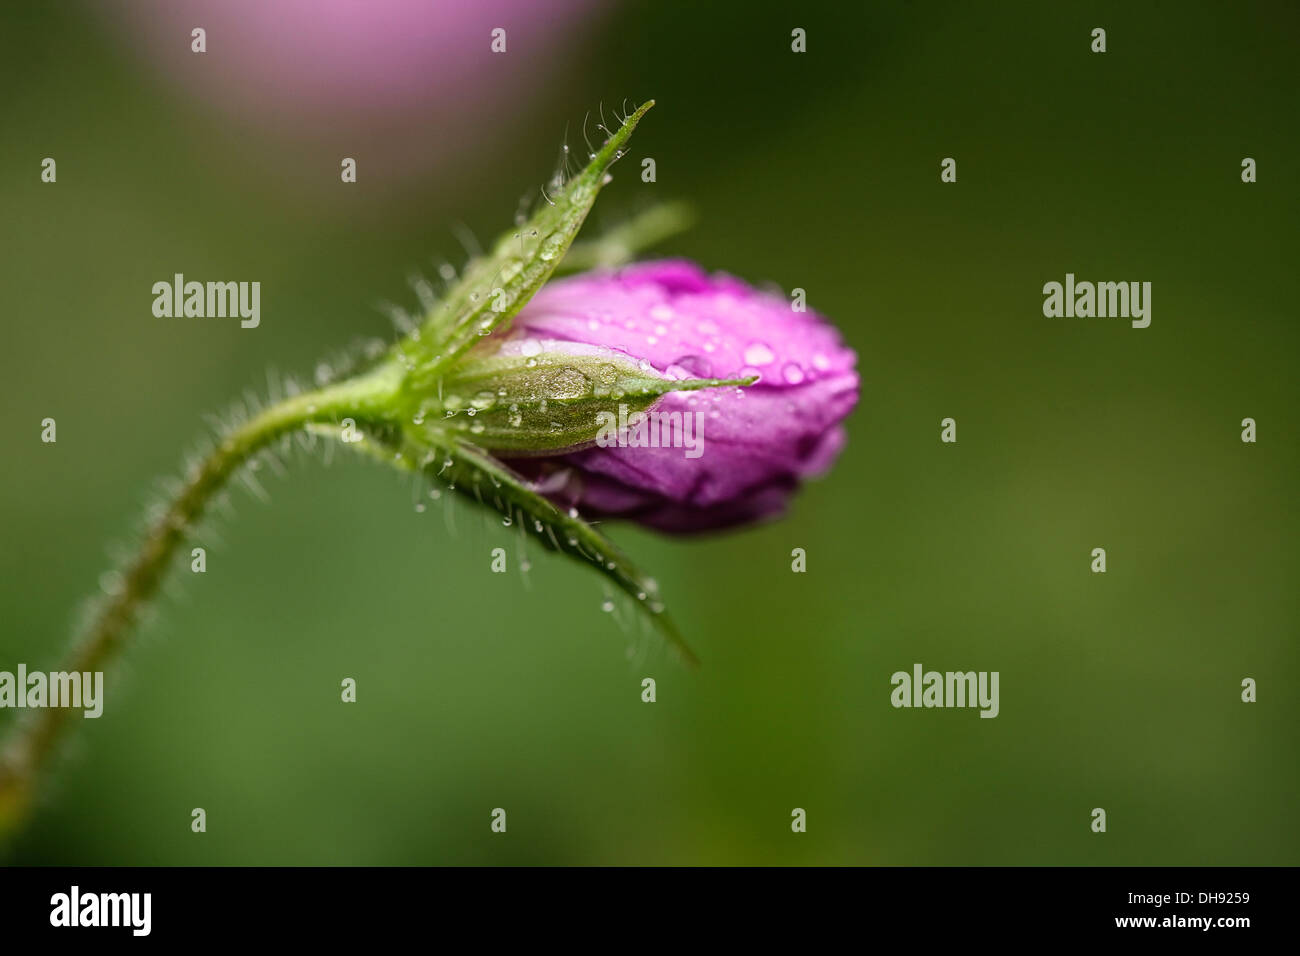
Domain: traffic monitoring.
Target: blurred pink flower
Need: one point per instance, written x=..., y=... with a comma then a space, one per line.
x=417, y=77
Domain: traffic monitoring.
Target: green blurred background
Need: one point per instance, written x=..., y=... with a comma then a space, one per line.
x=820, y=171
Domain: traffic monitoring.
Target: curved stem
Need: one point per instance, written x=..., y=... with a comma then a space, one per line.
x=33, y=741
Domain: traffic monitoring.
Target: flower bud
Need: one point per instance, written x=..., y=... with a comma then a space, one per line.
x=671, y=319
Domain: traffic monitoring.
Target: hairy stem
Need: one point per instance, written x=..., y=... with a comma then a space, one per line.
x=33, y=741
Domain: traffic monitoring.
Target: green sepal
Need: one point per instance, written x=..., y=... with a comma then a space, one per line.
x=493, y=288
x=475, y=475
x=549, y=401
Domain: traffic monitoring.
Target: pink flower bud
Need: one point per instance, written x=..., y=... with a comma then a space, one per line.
x=754, y=445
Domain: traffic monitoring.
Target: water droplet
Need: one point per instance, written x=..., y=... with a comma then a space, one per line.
x=530, y=347
x=419, y=507
x=757, y=353
x=792, y=373
x=607, y=607
x=820, y=362
x=551, y=246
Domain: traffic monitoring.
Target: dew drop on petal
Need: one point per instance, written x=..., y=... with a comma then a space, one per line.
x=757, y=353
x=792, y=373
